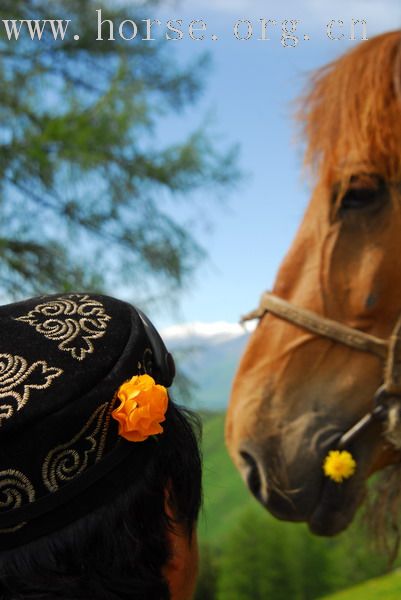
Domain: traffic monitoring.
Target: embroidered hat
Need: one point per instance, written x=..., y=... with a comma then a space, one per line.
x=62, y=360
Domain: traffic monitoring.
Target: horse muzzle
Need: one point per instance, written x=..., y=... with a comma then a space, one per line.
x=285, y=475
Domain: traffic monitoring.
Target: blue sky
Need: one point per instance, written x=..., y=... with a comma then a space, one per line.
x=248, y=95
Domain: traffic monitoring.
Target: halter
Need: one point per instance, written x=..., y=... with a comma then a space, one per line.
x=389, y=351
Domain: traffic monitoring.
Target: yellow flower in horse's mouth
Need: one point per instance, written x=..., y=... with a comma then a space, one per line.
x=339, y=465
x=142, y=409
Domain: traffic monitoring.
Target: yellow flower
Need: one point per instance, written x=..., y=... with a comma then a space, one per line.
x=339, y=465
x=142, y=409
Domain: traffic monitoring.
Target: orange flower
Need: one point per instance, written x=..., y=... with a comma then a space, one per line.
x=142, y=409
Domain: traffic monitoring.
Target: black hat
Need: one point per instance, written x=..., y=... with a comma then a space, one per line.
x=62, y=359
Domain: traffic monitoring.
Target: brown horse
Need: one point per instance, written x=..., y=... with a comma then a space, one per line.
x=295, y=390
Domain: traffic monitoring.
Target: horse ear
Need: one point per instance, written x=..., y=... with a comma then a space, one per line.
x=181, y=570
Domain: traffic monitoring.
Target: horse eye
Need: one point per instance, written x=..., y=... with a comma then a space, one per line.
x=355, y=198
x=360, y=196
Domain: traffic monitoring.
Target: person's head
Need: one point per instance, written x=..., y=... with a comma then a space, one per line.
x=99, y=489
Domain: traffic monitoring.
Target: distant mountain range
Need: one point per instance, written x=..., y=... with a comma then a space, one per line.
x=209, y=354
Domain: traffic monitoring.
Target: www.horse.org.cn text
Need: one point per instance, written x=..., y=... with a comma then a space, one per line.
x=288, y=32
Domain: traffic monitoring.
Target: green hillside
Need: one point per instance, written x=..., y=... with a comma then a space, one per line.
x=387, y=587
x=238, y=537
x=225, y=494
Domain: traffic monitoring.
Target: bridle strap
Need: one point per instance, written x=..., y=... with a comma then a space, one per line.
x=331, y=329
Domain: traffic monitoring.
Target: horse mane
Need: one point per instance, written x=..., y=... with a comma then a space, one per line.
x=351, y=115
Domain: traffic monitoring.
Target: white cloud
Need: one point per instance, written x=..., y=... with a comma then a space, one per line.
x=380, y=14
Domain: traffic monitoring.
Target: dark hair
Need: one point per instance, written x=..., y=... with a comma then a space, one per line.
x=118, y=551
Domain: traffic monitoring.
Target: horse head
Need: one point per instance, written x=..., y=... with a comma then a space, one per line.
x=296, y=390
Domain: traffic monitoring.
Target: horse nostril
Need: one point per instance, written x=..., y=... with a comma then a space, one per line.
x=252, y=475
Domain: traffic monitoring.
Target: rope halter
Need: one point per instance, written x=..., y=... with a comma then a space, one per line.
x=387, y=399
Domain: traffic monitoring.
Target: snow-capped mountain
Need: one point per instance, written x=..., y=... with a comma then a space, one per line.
x=209, y=354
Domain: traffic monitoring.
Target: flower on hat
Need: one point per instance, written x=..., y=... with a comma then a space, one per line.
x=339, y=465
x=142, y=408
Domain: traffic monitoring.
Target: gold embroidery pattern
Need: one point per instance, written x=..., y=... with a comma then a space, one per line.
x=18, y=379
x=15, y=490
x=67, y=461
x=73, y=321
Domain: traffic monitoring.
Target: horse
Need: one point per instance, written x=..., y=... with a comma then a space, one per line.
x=328, y=335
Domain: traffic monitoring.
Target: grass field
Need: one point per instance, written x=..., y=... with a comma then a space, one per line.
x=387, y=587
